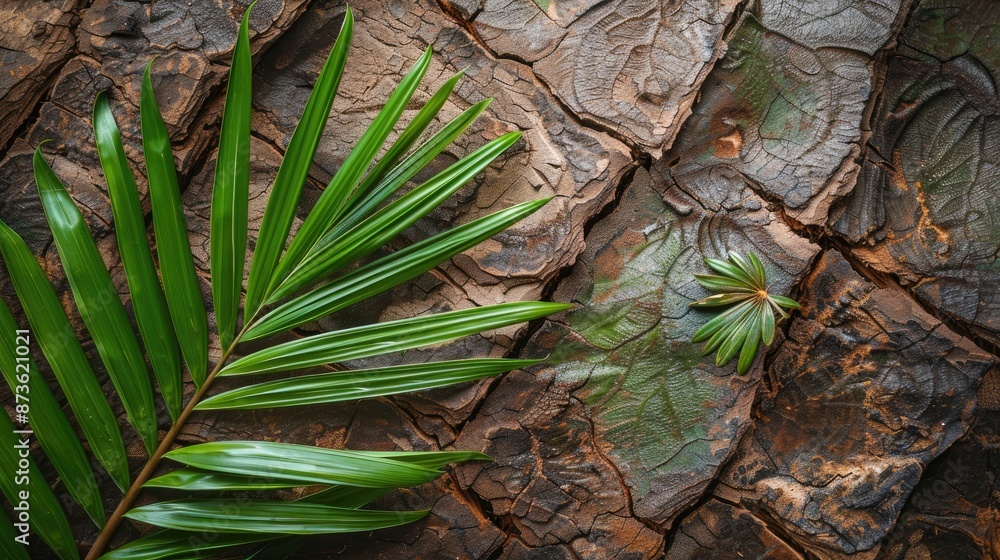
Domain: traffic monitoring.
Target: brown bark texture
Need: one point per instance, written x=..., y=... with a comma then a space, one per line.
x=851, y=144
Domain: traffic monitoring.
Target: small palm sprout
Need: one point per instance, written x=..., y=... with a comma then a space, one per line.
x=741, y=283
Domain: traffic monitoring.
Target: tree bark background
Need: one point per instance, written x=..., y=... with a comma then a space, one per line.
x=851, y=144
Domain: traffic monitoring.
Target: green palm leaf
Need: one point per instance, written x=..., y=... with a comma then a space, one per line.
x=97, y=300
x=389, y=271
x=362, y=207
x=330, y=205
x=55, y=336
x=290, y=518
x=38, y=501
x=294, y=169
x=742, y=328
x=302, y=464
x=54, y=432
x=180, y=284
x=150, y=306
x=206, y=481
x=406, y=140
x=333, y=252
x=351, y=220
x=230, y=196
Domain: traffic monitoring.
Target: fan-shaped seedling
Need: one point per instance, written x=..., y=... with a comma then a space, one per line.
x=741, y=284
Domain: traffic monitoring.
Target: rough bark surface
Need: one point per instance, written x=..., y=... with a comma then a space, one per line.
x=867, y=389
x=924, y=209
x=851, y=144
x=633, y=67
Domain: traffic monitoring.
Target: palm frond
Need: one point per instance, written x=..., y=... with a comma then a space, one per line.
x=291, y=282
x=742, y=328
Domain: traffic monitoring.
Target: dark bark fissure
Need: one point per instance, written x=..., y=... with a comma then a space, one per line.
x=831, y=241
x=711, y=495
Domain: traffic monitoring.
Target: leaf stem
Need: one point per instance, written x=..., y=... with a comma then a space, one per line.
x=109, y=529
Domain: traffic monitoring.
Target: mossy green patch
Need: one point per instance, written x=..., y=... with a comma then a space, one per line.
x=644, y=387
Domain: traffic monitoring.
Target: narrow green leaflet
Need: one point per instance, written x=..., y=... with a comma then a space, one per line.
x=406, y=140
x=25, y=488
x=758, y=269
x=752, y=342
x=53, y=430
x=722, y=299
x=194, y=479
x=199, y=480
x=387, y=272
x=728, y=328
x=98, y=302
x=429, y=459
x=181, y=544
x=767, y=327
x=392, y=336
x=359, y=384
x=294, y=169
x=330, y=205
x=363, y=207
x=180, y=283
x=150, y=306
x=292, y=518
x=230, y=195
x=723, y=284
x=332, y=253
x=302, y=464
x=784, y=302
x=719, y=321
x=55, y=336
x=10, y=548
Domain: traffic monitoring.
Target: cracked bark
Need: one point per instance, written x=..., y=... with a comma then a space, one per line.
x=667, y=132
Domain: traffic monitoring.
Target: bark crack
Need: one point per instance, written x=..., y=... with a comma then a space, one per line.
x=31, y=117
x=887, y=280
x=636, y=152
